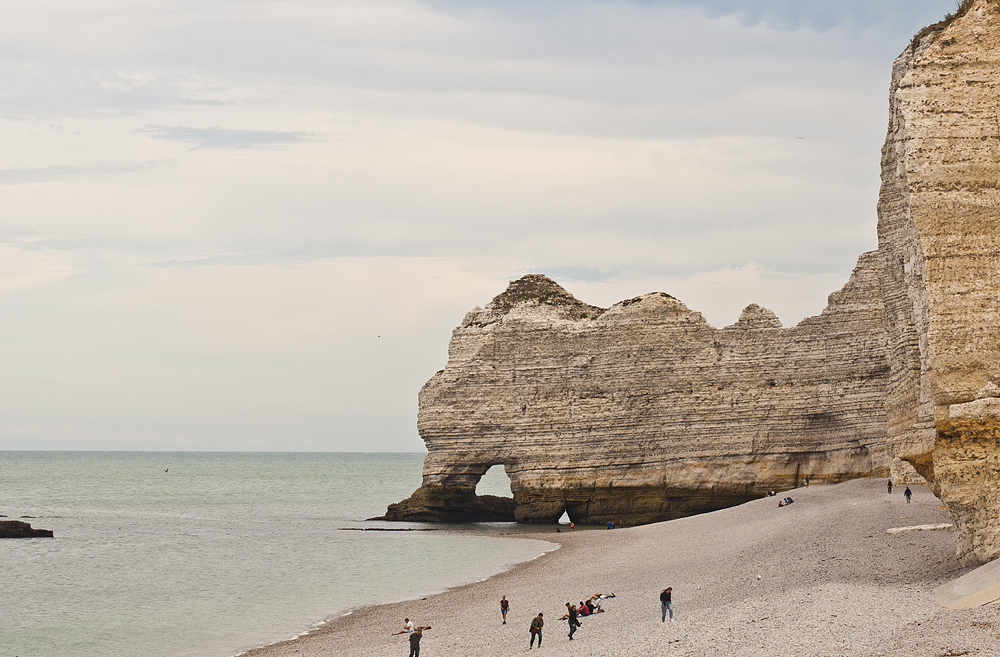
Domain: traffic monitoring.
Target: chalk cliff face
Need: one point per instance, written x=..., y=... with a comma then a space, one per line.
x=939, y=245
x=644, y=411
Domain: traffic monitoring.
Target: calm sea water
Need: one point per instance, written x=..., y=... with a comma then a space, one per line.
x=207, y=554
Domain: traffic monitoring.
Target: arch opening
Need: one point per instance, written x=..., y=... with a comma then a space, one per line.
x=495, y=482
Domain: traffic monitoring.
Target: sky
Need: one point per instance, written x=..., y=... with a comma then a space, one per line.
x=253, y=225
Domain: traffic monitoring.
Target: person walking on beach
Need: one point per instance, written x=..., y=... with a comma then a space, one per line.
x=407, y=627
x=888, y=486
x=504, y=608
x=665, y=605
x=415, y=637
x=907, y=494
x=536, y=630
x=573, y=622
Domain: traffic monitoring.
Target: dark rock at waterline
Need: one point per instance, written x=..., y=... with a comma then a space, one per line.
x=442, y=504
x=18, y=529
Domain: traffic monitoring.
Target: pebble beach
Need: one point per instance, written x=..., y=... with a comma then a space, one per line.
x=819, y=577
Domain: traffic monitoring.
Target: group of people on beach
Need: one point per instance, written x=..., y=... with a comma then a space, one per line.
x=588, y=607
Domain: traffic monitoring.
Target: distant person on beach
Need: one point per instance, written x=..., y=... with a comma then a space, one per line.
x=572, y=526
x=907, y=494
x=504, y=608
x=415, y=637
x=665, y=605
x=888, y=486
x=573, y=622
x=536, y=630
x=807, y=481
x=610, y=524
x=407, y=627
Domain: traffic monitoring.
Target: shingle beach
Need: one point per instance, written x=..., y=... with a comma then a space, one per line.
x=820, y=577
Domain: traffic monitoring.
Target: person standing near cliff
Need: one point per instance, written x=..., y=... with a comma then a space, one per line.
x=666, y=605
x=907, y=494
x=888, y=487
x=504, y=608
x=536, y=630
x=573, y=622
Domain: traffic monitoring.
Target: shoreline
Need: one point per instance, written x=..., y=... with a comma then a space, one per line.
x=818, y=577
x=325, y=624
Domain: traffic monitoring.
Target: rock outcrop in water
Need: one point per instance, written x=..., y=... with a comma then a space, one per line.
x=644, y=412
x=18, y=529
x=939, y=243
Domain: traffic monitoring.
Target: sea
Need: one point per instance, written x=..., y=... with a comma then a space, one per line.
x=195, y=554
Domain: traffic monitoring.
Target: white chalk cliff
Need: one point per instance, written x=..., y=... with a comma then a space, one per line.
x=644, y=412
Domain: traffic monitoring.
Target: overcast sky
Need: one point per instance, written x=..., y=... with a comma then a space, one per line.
x=253, y=225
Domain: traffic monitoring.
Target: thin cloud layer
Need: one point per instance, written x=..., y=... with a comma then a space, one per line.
x=215, y=137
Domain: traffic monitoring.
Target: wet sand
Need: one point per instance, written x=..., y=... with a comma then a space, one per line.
x=820, y=577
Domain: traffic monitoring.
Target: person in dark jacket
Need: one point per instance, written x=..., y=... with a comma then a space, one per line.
x=573, y=622
x=536, y=630
x=907, y=494
x=665, y=604
x=415, y=637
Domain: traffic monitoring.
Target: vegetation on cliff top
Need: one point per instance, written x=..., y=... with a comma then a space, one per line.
x=962, y=7
x=542, y=290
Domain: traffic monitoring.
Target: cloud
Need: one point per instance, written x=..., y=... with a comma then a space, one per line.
x=44, y=174
x=22, y=270
x=216, y=137
x=776, y=14
x=253, y=220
